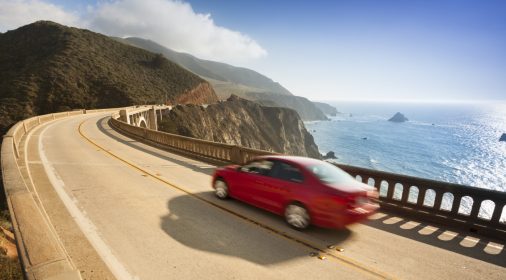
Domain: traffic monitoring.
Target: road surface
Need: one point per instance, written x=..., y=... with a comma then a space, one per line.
x=126, y=210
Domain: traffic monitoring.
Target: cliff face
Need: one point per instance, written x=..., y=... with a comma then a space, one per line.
x=47, y=67
x=227, y=80
x=241, y=122
x=200, y=94
x=307, y=110
x=326, y=108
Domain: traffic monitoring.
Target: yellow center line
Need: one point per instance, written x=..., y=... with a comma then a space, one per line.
x=341, y=259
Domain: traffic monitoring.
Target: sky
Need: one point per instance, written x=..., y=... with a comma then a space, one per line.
x=323, y=50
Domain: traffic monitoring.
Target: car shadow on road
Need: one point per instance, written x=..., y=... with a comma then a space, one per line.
x=233, y=228
x=475, y=246
x=103, y=126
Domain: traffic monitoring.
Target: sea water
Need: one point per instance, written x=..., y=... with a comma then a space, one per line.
x=451, y=142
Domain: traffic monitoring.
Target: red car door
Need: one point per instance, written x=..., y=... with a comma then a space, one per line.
x=282, y=184
x=250, y=179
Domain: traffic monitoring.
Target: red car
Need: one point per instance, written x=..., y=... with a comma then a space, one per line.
x=306, y=191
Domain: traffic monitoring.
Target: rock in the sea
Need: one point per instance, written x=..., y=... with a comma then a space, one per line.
x=398, y=117
x=330, y=155
x=503, y=137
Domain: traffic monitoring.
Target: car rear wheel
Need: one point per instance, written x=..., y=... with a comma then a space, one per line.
x=297, y=216
x=220, y=189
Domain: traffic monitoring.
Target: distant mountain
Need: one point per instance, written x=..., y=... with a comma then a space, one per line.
x=227, y=80
x=211, y=69
x=307, y=110
x=326, y=108
x=47, y=67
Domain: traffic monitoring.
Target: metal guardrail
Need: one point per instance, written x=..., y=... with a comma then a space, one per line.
x=429, y=199
x=40, y=251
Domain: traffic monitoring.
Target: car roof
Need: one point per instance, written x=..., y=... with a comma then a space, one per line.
x=295, y=159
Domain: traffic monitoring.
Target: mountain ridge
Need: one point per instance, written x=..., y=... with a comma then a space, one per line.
x=228, y=80
x=46, y=67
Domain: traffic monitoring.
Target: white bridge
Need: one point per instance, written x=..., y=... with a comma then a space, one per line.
x=143, y=116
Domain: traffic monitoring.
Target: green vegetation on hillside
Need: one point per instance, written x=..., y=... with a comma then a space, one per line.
x=229, y=80
x=214, y=70
x=46, y=67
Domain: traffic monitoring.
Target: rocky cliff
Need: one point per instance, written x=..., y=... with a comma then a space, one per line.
x=227, y=80
x=307, y=110
x=242, y=122
x=327, y=109
x=47, y=67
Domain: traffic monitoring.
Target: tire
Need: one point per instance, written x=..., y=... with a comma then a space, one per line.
x=297, y=216
x=220, y=189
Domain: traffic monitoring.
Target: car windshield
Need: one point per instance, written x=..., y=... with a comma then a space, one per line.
x=330, y=174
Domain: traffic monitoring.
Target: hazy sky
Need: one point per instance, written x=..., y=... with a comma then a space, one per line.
x=324, y=50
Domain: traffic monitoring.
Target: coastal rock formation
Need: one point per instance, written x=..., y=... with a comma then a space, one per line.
x=227, y=80
x=46, y=67
x=245, y=123
x=503, y=137
x=398, y=117
x=326, y=108
x=197, y=95
x=330, y=155
x=306, y=109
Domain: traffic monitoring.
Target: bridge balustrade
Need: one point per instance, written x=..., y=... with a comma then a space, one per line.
x=447, y=201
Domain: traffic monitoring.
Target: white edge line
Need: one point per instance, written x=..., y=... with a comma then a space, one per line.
x=85, y=224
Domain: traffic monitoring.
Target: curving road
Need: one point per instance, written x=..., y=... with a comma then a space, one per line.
x=127, y=210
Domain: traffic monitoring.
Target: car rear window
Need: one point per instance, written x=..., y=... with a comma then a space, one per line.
x=330, y=174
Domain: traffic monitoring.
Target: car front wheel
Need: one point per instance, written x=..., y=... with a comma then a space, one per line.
x=220, y=189
x=297, y=216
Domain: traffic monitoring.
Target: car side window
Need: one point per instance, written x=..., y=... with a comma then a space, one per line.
x=262, y=167
x=287, y=172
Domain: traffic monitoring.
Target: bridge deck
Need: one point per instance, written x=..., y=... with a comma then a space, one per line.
x=151, y=214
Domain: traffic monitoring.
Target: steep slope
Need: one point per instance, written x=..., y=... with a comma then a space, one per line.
x=306, y=109
x=211, y=69
x=326, y=108
x=227, y=80
x=241, y=122
x=46, y=67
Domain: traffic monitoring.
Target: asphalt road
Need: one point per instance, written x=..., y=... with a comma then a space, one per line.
x=127, y=210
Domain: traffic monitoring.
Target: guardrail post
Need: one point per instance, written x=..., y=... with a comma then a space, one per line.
x=496, y=215
x=235, y=155
x=476, y=207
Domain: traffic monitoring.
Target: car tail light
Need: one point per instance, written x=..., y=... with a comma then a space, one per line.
x=356, y=201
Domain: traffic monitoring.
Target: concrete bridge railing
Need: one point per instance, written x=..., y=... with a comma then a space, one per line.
x=427, y=199
x=478, y=209
x=41, y=253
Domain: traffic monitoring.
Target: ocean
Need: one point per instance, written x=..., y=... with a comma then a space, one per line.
x=451, y=142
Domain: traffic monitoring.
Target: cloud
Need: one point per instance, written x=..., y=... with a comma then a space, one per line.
x=174, y=24
x=171, y=23
x=16, y=13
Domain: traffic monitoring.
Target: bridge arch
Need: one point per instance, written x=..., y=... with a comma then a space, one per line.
x=142, y=123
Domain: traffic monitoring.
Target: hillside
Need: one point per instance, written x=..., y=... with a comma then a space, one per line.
x=211, y=69
x=326, y=108
x=307, y=110
x=248, y=124
x=47, y=67
x=227, y=80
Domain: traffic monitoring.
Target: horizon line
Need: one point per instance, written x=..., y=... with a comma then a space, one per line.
x=466, y=101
